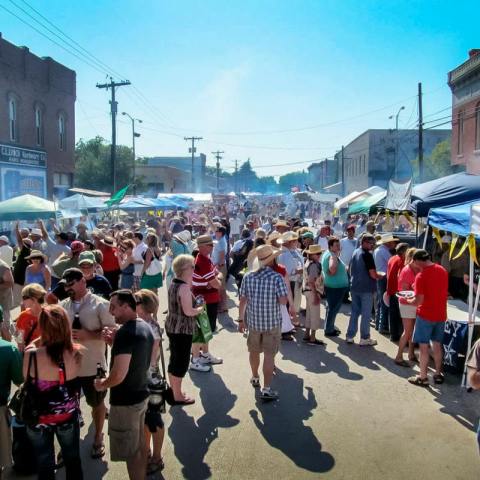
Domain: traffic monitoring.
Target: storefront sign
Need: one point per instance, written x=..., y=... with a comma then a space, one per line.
x=22, y=156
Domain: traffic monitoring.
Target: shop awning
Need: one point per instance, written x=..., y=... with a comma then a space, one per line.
x=26, y=207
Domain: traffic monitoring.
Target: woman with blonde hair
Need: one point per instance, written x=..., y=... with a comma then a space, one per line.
x=54, y=363
x=408, y=312
x=180, y=324
x=147, y=308
x=27, y=324
x=152, y=274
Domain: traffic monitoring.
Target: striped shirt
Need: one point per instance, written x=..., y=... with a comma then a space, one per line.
x=205, y=271
x=262, y=289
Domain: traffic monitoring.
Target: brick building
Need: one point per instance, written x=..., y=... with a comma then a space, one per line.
x=37, y=123
x=464, y=81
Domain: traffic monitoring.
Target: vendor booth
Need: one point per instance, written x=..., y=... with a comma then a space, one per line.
x=26, y=207
x=460, y=220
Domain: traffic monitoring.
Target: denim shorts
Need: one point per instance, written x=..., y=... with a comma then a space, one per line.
x=426, y=331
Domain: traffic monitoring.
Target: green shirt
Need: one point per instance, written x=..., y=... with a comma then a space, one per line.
x=10, y=369
x=62, y=265
x=340, y=279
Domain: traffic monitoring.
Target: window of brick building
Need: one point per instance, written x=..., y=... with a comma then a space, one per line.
x=61, y=132
x=12, y=119
x=460, y=119
x=39, y=126
x=477, y=127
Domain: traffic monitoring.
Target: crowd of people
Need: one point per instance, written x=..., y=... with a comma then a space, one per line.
x=89, y=318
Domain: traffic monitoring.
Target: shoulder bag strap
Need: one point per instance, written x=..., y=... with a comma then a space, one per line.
x=32, y=360
x=30, y=334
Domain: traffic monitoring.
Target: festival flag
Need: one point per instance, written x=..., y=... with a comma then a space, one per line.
x=117, y=197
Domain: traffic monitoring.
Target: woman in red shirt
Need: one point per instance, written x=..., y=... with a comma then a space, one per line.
x=408, y=312
x=27, y=328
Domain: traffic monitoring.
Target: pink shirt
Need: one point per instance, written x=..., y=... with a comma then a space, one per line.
x=406, y=279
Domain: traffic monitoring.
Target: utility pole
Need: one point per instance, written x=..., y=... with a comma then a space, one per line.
x=235, y=178
x=218, y=156
x=343, y=171
x=420, y=133
x=134, y=135
x=192, y=150
x=113, y=110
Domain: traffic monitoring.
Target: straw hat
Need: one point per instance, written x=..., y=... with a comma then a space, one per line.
x=184, y=236
x=204, y=240
x=275, y=236
x=386, y=238
x=260, y=233
x=314, y=250
x=289, y=236
x=266, y=253
x=281, y=223
x=35, y=254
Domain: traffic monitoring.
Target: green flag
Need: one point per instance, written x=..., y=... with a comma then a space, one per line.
x=117, y=197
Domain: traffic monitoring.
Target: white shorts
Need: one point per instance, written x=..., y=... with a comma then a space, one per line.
x=407, y=311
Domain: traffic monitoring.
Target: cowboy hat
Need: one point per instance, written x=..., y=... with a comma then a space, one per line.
x=386, y=238
x=266, y=253
x=204, y=240
x=184, y=236
x=289, y=236
x=281, y=223
x=275, y=236
x=314, y=250
x=35, y=254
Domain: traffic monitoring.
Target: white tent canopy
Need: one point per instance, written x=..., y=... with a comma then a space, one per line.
x=357, y=196
x=196, y=197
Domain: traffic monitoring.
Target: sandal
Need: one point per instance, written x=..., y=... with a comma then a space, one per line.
x=98, y=451
x=402, y=363
x=154, y=466
x=185, y=401
x=438, y=378
x=316, y=342
x=419, y=381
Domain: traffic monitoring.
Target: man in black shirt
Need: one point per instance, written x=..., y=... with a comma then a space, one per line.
x=128, y=381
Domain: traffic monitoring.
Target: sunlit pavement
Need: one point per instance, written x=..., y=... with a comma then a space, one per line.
x=345, y=412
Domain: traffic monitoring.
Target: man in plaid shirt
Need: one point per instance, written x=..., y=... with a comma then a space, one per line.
x=261, y=294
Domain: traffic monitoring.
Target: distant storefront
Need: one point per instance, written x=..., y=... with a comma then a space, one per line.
x=22, y=170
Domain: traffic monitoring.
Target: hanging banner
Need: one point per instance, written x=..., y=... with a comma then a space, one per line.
x=436, y=234
x=452, y=245
x=398, y=195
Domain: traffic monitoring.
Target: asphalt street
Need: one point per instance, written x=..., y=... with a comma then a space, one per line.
x=345, y=412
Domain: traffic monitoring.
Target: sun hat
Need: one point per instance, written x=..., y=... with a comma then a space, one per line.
x=275, y=236
x=314, y=250
x=5, y=239
x=266, y=253
x=86, y=257
x=289, y=236
x=386, y=238
x=36, y=231
x=184, y=236
x=35, y=254
x=281, y=223
x=260, y=233
x=204, y=240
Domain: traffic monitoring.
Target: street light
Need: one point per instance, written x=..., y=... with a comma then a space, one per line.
x=134, y=134
x=396, y=136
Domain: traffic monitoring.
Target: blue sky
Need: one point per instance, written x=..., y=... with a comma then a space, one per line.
x=253, y=77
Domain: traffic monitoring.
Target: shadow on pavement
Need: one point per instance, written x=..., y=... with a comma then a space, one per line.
x=282, y=425
x=316, y=359
x=191, y=440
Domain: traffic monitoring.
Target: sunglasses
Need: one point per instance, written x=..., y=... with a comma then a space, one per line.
x=71, y=284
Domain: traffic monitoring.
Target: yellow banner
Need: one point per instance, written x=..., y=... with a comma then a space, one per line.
x=463, y=248
x=436, y=234
x=472, y=248
x=409, y=218
x=453, y=244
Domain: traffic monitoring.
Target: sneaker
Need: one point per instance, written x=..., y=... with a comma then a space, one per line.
x=209, y=359
x=268, y=394
x=350, y=340
x=367, y=342
x=255, y=382
x=199, y=366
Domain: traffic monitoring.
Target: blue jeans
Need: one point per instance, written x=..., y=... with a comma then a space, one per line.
x=361, y=305
x=68, y=436
x=381, y=316
x=334, y=302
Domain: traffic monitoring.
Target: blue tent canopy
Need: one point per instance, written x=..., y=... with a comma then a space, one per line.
x=454, y=219
x=453, y=189
x=144, y=204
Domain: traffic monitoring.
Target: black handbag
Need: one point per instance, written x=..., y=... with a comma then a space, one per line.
x=24, y=401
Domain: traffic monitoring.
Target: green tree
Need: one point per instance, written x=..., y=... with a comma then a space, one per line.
x=437, y=164
x=293, y=179
x=92, y=165
x=267, y=185
x=247, y=178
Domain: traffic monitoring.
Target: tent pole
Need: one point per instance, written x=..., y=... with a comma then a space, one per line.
x=471, y=318
x=426, y=237
x=416, y=233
